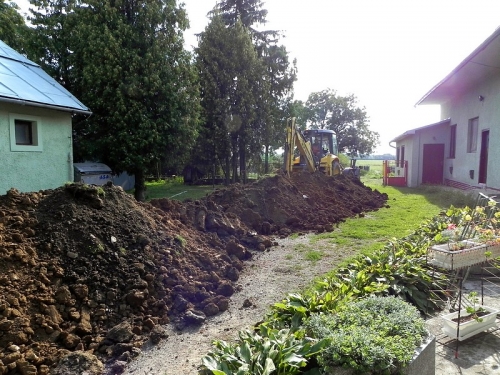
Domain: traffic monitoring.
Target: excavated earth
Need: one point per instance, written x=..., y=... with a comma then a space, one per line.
x=88, y=275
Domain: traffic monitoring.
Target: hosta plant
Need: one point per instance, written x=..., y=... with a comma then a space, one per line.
x=266, y=352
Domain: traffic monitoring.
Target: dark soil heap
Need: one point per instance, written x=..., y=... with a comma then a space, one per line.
x=86, y=268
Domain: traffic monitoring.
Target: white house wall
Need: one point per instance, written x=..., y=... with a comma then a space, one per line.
x=460, y=110
x=411, y=151
x=47, y=168
x=408, y=144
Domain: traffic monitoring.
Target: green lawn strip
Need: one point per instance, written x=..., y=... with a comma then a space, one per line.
x=407, y=209
x=175, y=189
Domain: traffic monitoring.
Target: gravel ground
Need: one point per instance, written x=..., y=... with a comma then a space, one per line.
x=267, y=278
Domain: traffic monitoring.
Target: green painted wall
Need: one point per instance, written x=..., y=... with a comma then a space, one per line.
x=48, y=168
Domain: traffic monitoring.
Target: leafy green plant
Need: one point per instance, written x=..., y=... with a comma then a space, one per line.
x=268, y=351
x=296, y=308
x=398, y=269
x=376, y=335
x=474, y=310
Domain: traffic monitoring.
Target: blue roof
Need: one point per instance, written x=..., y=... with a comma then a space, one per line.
x=24, y=82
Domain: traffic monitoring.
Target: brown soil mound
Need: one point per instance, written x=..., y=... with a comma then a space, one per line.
x=88, y=268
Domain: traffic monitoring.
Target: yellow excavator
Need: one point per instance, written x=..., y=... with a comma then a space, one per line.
x=317, y=150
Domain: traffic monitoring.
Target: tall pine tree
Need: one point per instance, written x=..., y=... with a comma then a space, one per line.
x=228, y=68
x=274, y=87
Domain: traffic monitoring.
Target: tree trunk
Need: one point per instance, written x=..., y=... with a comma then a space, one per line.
x=227, y=171
x=158, y=171
x=243, y=168
x=140, y=186
x=266, y=160
x=234, y=159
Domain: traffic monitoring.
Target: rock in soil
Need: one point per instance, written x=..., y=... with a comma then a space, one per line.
x=88, y=272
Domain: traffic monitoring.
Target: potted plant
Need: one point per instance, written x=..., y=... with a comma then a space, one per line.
x=459, y=254
x=469, y=321
x=472, y=242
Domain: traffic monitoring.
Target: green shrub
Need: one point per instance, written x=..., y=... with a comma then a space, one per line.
x=375, y=335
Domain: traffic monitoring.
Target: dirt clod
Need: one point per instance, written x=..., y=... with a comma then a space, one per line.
x=87, y=274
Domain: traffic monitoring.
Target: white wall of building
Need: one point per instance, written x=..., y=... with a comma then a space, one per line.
x=460, y=110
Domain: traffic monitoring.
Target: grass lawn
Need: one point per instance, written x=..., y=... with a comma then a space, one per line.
x=408, y=208
x=175, y=189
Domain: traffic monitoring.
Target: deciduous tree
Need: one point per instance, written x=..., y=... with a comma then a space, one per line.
x=327, y=110
x=127, y=63
x=13, y=28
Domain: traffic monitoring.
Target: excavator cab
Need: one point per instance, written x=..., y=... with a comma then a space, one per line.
x=322, y=141
x=313, y=149
x=324, y=147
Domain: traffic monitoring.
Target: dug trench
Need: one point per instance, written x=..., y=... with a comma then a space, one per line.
x=88, y=275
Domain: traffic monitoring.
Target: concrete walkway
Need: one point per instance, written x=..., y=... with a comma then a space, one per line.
x=479, y=354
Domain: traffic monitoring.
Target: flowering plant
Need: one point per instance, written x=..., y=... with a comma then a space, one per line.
x=451, y=233
x=489, y=236
x=479, y=225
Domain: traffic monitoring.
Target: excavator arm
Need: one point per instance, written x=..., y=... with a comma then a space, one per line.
x=294, y=138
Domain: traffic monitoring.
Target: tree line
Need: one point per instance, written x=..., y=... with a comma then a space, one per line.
x=223, y=105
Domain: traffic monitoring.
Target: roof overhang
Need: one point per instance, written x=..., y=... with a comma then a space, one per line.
x=43, y=105
x=480, y=65
x=411, y=132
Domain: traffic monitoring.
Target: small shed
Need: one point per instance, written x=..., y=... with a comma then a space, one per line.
x=92, y=173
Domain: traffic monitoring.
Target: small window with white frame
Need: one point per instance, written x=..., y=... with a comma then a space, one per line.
x=25, y=133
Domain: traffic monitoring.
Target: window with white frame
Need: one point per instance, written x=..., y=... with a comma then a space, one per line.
x=472, y=135
x=25, y=133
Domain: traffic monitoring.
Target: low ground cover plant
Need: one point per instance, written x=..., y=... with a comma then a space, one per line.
x=374, y=334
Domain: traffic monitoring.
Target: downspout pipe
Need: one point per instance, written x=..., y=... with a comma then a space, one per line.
x=48, y=106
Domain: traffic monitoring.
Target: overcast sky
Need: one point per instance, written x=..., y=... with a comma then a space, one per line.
x=388, y=53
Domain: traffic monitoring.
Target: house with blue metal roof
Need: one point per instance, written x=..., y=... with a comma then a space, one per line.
x=35, y=126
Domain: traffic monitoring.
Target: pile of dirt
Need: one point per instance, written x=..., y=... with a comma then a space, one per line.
x=86, y=269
